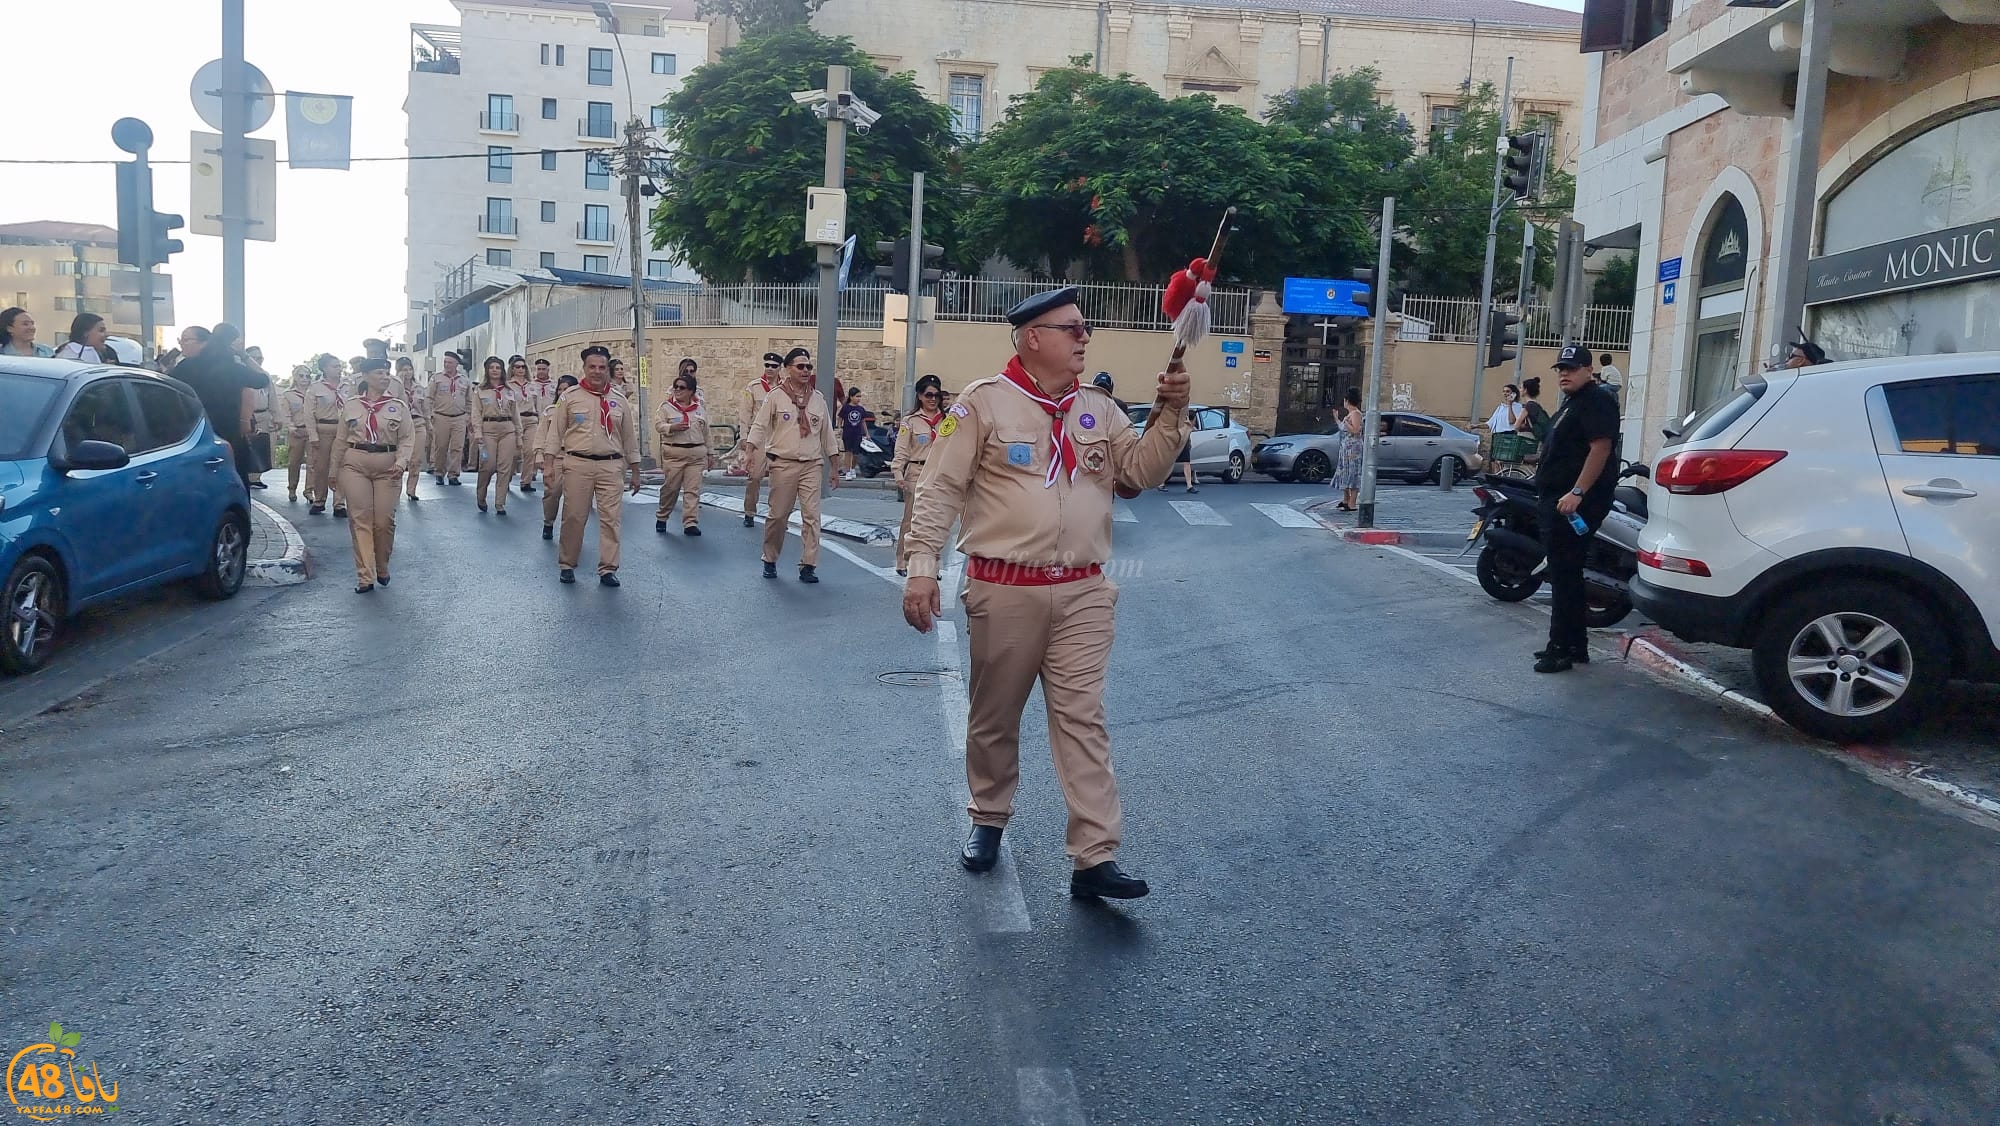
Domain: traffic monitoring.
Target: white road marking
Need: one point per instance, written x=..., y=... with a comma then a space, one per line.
x=1048, y=1097
x=1002, y=906
x=886, y=574
x=1285, y=516
x=1121, y=513
x=1199, y=514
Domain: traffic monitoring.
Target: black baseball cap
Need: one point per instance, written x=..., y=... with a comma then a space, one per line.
x=1573, y=356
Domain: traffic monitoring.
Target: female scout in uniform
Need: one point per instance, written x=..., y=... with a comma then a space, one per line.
x=373, y=445
x=498, y=412
x=683, y=428
x=295, y=412
x=548, y=455
x=529, y=415
x=419, y=401
x=326, y=406
x=913, y=446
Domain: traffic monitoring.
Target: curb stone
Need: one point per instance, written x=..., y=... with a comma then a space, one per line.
x=293, y=567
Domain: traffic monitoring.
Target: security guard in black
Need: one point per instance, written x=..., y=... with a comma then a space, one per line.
x=1576, y=475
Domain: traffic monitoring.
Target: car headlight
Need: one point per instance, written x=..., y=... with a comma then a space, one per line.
x=1274, y=447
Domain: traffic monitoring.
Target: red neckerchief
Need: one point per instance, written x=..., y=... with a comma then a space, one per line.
x=1058, y=409
x=930, y=420
x=520, y=389
x=804, y=404
x=603, y=404
x=765, y=379
x=339, y=400
x=542, y=387
x=368, y=429
x=687, y=412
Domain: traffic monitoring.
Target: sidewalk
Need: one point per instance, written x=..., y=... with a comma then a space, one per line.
x=277, y=554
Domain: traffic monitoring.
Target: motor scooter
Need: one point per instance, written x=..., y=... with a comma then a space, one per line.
x=878, y=449
x=1512, y=565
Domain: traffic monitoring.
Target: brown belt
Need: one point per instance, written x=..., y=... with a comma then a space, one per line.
x=371, y=447
x=596, y=457
x=450, y=414
x=800, y=460
x=502, y=418
x=685, y=445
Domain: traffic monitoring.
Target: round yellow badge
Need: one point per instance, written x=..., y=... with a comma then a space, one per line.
x=947, y=427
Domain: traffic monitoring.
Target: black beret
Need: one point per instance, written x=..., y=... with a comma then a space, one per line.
x=773, y=358
x=596, y=350
x=372, y=363
x=1041, y=303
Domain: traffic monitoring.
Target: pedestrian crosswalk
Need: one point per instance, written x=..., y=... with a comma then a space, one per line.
x=1200, y=514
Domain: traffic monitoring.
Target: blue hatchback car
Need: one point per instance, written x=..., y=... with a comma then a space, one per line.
x=111, y=481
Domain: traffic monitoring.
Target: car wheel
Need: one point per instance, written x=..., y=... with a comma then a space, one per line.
x=1506, y=576
x=34, y=615
x=1850, y=661
x=228, y=558
x=1234, y=473
x=1446, y=471
x=1602, y=611
x=1312, y=467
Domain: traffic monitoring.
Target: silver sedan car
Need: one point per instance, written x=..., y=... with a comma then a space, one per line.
x=1412, y=447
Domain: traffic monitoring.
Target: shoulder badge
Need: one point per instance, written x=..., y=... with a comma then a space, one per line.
x=950, y=424
x=958, y=410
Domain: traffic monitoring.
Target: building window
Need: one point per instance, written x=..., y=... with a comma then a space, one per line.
x=1546, y=122
x=548, y=160
x=498, y=257
x=600, y=66
x=968, y=104
x=596, y=223
x=499, y=218
x=500, y=113
x=596, y=172
x=499, y=164
x=1444, y=124
x=548, y=109
x=659, y=117
x=665, y=64
x=1718, y=344
x=545, y=54
x=548, y=259
x=597, y=121
x=596, y=264
x=1624, y=25
x=559, y=54
x=658, y=268
x=548, y=211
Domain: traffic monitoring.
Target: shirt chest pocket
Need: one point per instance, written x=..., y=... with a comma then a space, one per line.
x=1017, y=450
x=1093, y=451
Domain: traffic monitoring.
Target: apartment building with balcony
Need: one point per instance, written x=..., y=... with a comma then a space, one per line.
x=527, y=101
x=1687, y=135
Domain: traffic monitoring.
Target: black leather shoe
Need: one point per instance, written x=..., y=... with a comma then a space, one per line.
x=1581, y=657
x=341, y=513
x=567, y=575
x=608, y=578
x=548, y=531
x=382, y=579
x=807, y=573
x=1106, y=881
x=660, y=527
x=770, y=570
x=369, y=589
x=982, y=849
x=440, y=478
x=902, y=574
x=749, y=521
x=482, y=508
x=690, y=530
x=1555, y=662
x=527, y=490
x=316, y=510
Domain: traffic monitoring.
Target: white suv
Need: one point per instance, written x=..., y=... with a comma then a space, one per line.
x=1842, y=523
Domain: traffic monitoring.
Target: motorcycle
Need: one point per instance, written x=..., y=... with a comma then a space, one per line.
x=1512, y=564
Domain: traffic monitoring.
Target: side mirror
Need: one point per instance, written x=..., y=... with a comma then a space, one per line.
x=96, y=455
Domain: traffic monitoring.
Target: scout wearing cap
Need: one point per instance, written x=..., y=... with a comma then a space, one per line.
x=451, y=403
x=748, y=402
x=596, y=438
x=372, y=447
x=913, y=448
x=1026, y=463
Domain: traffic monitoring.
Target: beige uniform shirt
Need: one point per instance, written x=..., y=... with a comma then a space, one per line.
x=543, y=434
x=419, y=401
x=776, y=429
x=294, y=413
x=496, y=407
x=988, y=467
x=913, y=441
x=539, y=397
x=668, y=416
x=324, y=406
x=264, y=419
x=579, y=424
x=749, y=401
x=450, y=396
x=394, y=426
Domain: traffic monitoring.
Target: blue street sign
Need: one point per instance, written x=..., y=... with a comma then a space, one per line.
x=1326, y=297
x=1668, y=292
x=1670, y=270
x=1232, y=347
x=1229, y=361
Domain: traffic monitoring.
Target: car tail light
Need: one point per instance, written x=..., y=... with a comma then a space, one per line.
x=1675, y=564
x=1704, y=472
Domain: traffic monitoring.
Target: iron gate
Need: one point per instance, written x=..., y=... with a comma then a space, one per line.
x=1323, y=358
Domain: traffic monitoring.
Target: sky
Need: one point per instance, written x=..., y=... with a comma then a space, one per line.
x=335, y=275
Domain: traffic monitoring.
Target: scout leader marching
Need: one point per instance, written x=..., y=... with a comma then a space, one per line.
x=595, y=438
x=794, y=431
x=372, y=445
x=1027, y=463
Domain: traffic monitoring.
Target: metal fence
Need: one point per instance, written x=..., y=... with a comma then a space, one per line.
x=797, y=306
x=1455, y=320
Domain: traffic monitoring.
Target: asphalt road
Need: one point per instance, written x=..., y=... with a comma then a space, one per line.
x=480, y=847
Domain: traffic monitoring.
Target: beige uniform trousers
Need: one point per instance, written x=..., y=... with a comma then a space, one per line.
x=448, y=444
x=552, y=483
x=295, y=462
x=793, y=482
x=585, y=483
x=497, y=463
x=422, y=430
x=911, y=472
x=371, y=483
x=757, y=464
x=683, y=467
x=320, y=473
x=1061, y=635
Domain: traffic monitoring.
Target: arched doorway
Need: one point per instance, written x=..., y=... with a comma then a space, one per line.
x=1718, y=349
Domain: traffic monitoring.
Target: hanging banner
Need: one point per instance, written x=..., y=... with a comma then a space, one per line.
x=319, y=129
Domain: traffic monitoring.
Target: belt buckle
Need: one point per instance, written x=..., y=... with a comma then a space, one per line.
x=1057, y=572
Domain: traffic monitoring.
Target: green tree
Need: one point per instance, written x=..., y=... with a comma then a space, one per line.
x=758, y=16
x=1354, y=150
x=744, y=154
x=1618, y=285
x=1090, y=176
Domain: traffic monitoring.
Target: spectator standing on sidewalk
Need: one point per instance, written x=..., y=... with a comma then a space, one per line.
x=1576, y=478
x=87, y=333
x=1347, y=475
x=683, y=428
x=749, y=403
x=227, y=387
x=1509, y=415
x=1538, y=415
x=796, y=429
x=913, y=449
x=854, y=420
x=17, y=335
x=595, y=431
x=372, y=445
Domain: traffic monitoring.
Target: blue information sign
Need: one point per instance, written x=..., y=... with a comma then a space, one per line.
x=1670, y=270
x=1229, y=361
x=1668, y=292
x=1232, y=347
x=1325, y=297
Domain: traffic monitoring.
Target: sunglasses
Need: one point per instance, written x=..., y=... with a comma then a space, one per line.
x=803, y=367
x=1081, y=330
x=682, y=387
x=928, y=395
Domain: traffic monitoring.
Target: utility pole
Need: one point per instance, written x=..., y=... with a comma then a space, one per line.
x=235, y=161
x=1492, y=247
x=1801, y=182
x=634, y=158
x=915, y=288
x=1372, y=417
x=838, y=95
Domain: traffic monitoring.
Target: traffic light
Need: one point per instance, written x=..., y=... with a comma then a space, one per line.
x=1503, y=336
x=1520, y=174
x=159, y=246
x=135, y=208
x=1376, y=299
x=897, y=272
